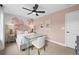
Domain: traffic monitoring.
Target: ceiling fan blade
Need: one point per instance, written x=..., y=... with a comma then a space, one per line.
x=35, y=7
x=30, y=13
x=40, y=11
x=37, y=14
x=27, y=9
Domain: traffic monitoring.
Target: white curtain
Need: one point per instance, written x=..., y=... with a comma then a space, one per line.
x=2, y=29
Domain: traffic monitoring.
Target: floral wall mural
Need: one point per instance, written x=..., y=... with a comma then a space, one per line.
x=19, y=24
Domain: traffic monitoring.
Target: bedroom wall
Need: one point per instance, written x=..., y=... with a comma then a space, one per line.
x=8, y=17
x=55, y=31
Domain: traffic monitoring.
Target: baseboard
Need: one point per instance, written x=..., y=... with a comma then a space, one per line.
x=57, y=43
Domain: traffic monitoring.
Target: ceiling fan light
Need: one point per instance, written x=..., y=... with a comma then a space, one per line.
x=34, y=13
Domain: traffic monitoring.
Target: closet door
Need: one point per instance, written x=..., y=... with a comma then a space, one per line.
x=71, y=28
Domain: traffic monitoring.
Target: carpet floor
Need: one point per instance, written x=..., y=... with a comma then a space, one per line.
x=51, y=49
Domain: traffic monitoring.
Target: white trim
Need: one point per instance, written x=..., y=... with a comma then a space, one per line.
x=57, y=43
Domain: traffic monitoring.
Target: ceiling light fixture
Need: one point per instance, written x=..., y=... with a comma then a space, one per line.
x=34, y=13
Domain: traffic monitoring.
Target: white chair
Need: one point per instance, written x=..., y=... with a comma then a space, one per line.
x=22, y=42
x=39, y=43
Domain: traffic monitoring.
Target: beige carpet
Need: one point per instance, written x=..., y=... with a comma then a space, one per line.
x=51, y=49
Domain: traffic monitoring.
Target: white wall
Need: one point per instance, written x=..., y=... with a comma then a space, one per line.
x=2, y=36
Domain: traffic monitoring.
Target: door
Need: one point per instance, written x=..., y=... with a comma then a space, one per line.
x=71, y=28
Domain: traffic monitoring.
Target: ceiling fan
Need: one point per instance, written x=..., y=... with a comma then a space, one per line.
x=34, y=10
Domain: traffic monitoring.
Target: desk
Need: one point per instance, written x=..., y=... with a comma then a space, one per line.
x=31, y=38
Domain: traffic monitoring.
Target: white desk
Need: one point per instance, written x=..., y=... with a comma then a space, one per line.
x=31, y=37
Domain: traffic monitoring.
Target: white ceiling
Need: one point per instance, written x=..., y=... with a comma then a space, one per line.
x=16, y=9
